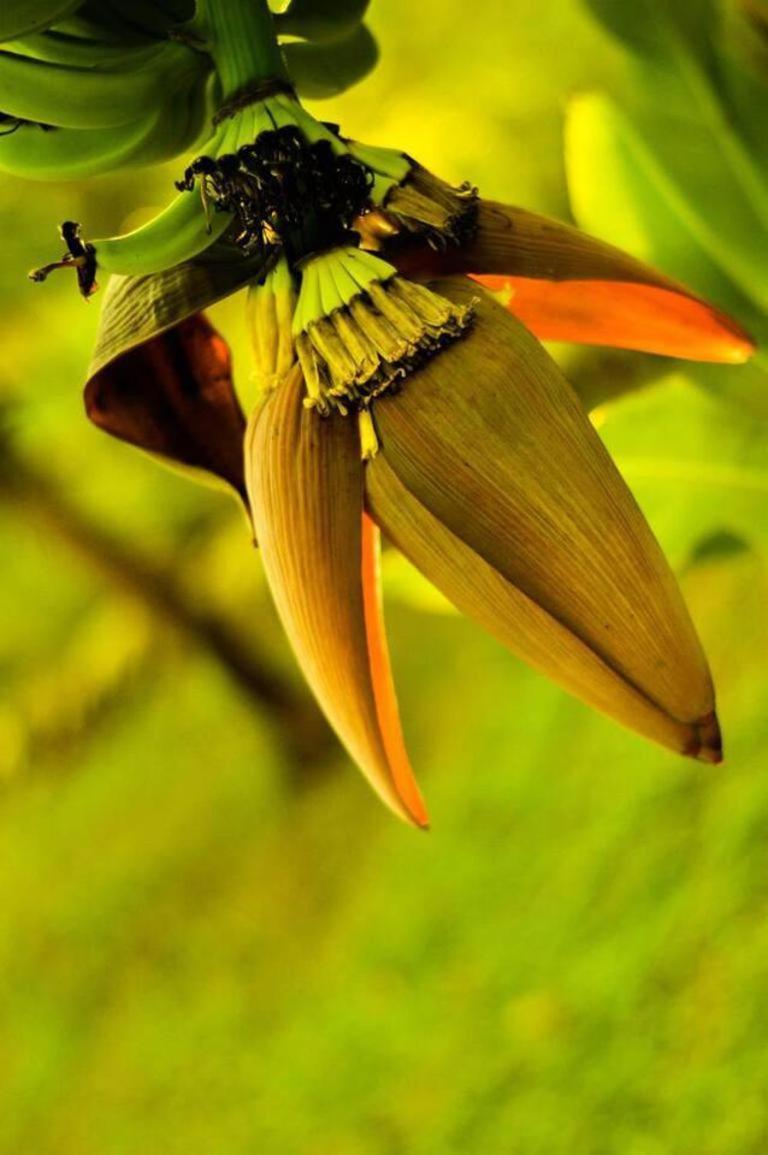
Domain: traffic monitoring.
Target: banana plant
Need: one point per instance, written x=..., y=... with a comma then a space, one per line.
x=396, y=323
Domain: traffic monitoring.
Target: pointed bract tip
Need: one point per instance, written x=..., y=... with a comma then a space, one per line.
x=707, y=745
x=740, y=351
x=711, y=739
x=737, y=344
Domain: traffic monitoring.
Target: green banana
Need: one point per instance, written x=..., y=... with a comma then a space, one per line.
x=84, y=98
x=53, y=47
x=18, y=17
x=152, y=17
x=174, y=236
x=74, y=153
x=84, y=26
x=323, y=69
x=194, y=220
x=320, y=19
x=181, y=231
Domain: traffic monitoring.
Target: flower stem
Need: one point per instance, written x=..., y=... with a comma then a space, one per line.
x=242, y=41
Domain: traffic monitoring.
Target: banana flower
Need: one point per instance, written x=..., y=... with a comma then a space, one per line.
x=464, y=445
x=396, y=324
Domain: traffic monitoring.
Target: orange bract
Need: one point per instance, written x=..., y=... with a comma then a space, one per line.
x=305, y=481
x=649, y=318
x=567, y=286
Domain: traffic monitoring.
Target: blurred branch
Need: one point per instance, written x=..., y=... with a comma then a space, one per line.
x=301, y=728
x=55, y=704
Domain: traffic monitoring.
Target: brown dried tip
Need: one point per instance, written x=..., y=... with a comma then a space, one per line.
x=709, y=746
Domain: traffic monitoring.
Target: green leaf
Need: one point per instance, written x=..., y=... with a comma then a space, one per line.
x=687, y=208
x=656, y=27
x=677, y=105
x=324, y=70
x=634, y=204
x=723, y=197
x=321, y=19
x=699, y=469
x=742, y=50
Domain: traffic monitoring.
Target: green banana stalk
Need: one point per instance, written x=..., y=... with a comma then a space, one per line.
x=18, y=17
x=75, y=153
x=87, y=98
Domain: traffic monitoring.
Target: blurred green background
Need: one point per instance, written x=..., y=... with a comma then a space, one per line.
x=213, y=939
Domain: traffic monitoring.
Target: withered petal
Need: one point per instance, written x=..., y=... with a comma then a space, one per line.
x=567, y=286
x=305, y=480
x=518, y=622
x=174, y=397
x=491, y=439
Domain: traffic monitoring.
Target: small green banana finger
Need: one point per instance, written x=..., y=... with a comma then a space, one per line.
x=18, y=17
x=85, y=24
x=76, y=52
x=174, y=236
x=74, y=153
x=320, y=19
x=153, y=17
x=86, y=98
x=180, y=232
x=38, y=153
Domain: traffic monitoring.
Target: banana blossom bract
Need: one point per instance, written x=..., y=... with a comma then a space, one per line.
x=488, y=475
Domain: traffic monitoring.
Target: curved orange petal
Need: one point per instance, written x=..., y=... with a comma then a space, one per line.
x=387, y=709
x=567, y=286
x=647, y=318
x=305, y=481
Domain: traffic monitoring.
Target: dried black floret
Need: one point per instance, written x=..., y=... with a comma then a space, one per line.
x=283, y=192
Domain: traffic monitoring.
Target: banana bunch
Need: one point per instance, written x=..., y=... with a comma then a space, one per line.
x=90, y=88
x=100, y=85
x=18, y=17
x=192, y=222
